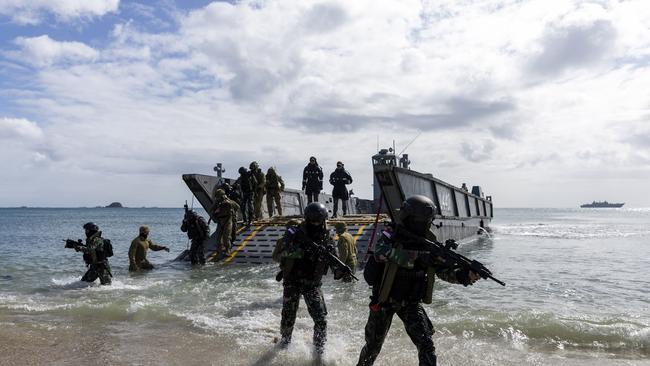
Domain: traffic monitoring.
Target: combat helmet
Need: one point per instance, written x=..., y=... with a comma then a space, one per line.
x=242, y=170
x=315, y=214
x=253, y=165
x=219, y=194
x=417, y=213
x=91, y=226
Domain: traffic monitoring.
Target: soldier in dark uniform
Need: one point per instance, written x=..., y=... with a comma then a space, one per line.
x=274, y=186
x=302, y=269
x=246, y=184
x=198, y=231
x=96, y=253
x=312, y=180
x=339, y=179
x=402, y=277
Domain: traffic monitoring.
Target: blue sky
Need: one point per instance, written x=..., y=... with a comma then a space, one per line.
x=544, y=104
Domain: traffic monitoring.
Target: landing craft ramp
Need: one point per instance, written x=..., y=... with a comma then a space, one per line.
x=254, y=244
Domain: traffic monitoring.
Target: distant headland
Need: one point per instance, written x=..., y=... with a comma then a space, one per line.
x=115, y=205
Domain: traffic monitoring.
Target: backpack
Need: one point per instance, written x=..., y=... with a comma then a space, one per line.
x=108, y=248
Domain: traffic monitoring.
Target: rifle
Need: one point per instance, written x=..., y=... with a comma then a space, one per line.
x=71, y=244
x=446, y=252
x=332, y=260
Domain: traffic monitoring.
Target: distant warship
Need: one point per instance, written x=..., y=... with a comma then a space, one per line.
x=461, y=214
x=603, y=204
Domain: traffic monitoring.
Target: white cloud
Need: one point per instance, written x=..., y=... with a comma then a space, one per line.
x=19, y=129
x=44, y=51
x=33, y=11
x=499, y=89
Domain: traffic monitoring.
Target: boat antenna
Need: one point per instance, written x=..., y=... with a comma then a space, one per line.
x=409, y=144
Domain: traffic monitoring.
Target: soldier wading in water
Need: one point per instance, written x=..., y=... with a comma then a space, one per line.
x=402, y=273
x=95, y=254
x=303, y=265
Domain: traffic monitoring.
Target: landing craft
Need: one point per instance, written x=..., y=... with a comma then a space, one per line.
x=461, y=215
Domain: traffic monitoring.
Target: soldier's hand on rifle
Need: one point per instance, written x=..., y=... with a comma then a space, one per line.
x=473, y=277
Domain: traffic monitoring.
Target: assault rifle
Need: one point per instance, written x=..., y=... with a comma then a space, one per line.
x=71, y=244
x=446, y=252
x=331, y=258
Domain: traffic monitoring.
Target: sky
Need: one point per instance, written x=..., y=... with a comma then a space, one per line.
x=541, y=103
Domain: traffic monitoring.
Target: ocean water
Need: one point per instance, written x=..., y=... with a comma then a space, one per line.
x=576, y=294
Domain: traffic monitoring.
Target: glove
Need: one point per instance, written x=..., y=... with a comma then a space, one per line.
x=462, y=276
x=166, y=249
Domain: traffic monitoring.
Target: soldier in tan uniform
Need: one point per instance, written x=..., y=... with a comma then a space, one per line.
x=138, y=251
x=260, y=189
x=347, y=248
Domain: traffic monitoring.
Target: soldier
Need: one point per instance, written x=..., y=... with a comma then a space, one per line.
x=302, y=270
x=96, y=253
x=312, y=180
x=246, y=184
x=339, y=179
x=235, y=199
x=198, y=231
x=138, y=251
x=274, y=185
x=405, y=281
x=221, y=212
x=260, y=189
x=347, y=248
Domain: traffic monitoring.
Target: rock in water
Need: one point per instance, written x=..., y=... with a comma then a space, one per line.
x=115, y=205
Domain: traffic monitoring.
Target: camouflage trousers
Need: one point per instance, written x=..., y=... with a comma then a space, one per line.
x=273, y=196
x=224, y=234
x=257, y=204
x=99, y=270
x=197, y=251
x=315, y=306
x=418, y=327
x=247, y=208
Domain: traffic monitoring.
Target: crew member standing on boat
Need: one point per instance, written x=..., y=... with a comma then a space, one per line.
x=312, y=180
x=340, y=178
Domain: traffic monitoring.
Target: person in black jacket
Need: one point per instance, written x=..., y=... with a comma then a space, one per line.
x=339, y=179
x=312, y=180
x=246, y=184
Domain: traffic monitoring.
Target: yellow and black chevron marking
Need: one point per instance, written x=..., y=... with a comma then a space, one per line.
x=243, y=244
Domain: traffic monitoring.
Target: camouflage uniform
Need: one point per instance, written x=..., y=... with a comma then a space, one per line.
x=411, y=287
x=274, y=185
x=198, y=231
x=303, y=271
x=235, y=210
x=98, y=266
x=222, y=213
x=138, y=251
x=260, y=189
